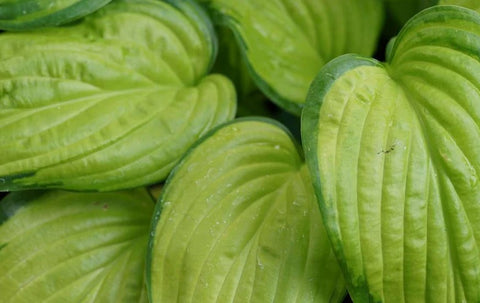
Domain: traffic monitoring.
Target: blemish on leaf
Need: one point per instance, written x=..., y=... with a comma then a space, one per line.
x=105, y=206
x=387, y=151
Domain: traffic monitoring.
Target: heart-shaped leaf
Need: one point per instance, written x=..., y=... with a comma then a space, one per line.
x=74, y=247
x=111, y=102
x=396, y=149
x=240, y=223
x=31, y=14
x=286, y=42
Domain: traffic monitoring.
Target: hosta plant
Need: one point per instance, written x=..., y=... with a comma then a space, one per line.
x=394, y=151
x=110, y=102
x=62, y=247
x=285, y=43
x=238, y=222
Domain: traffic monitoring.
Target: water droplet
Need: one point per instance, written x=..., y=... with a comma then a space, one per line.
x=2, y=181
x=260, y=264
x=235, y=129
x=277, y=147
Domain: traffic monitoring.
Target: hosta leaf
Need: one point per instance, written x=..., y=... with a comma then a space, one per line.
x=240, y=223
x=396, y=149
x=74, y=247
x=286, y=42
x=111, y=102
x=30, y=14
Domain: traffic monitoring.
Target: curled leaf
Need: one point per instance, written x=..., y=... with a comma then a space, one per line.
x=394, y=150
x=74, y=247
x=238, y=222
x=286, y=42
x=111, y=102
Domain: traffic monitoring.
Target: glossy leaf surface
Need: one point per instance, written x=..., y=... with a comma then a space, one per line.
x=286, y=42
x=238, y=222
x=32, y=14
x=74, y=247
x=396, y=150
x=111, y=102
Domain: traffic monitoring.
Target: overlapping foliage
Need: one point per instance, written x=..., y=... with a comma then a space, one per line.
x=382, y=200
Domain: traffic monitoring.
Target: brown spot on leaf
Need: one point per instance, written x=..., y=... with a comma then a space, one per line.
x=387, y=151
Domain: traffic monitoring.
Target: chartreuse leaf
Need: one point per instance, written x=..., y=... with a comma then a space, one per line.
x=286, y=42
x=240, y=223
x=74, y=247
x=394, y=150
x=30, y=14
x=111, y=102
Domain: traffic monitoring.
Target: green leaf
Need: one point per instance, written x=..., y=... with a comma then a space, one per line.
x=239, y=222
x=286, y=42
x=31, y=14
x=111, y=102
x=74, y=247
x=394, y=150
